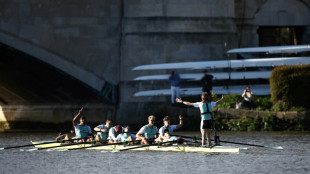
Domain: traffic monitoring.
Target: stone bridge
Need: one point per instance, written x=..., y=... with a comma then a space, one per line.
x=55, y=51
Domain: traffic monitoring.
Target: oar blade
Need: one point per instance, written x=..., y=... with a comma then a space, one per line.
x=2, y=148
x=114, y=151
x=61, y=150
x=276, y=147
x=33, y=149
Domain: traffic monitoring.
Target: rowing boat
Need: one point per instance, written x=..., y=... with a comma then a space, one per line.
x=172, y=148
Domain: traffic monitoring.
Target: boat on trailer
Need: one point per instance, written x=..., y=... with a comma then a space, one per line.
x=155, y=147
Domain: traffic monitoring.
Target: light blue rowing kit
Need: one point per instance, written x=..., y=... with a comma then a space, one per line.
x=82, y=131
x=103, y=135
x=206, y=110
x=150, y=132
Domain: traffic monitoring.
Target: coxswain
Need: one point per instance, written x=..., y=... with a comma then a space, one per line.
x=82, y=131
x=147, y=133
x=103, y=130
x=205, y=107
x=114, y=132
x=168, y=127
x=126, y=135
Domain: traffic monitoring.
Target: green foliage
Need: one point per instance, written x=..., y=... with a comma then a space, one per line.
x=230, y=101
x=245, y=124
x=280, y=106
x=267, y=123
x=262, y=103
x=290, y=85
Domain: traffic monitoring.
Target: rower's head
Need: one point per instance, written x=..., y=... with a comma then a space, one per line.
x=108, y=123
x=152, y=119
x=204, y=96
x=166, y=133
x=126, y=128
x=118, y=129
x=82, y=120
x=166, y=121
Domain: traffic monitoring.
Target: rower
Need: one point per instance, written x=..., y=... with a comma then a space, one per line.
x=103, y=130
x=205, y=107
x=82, y=131
x=148, y=132
x=114, y=132
x=168, y=127
x=65, y=136
x=126, y=136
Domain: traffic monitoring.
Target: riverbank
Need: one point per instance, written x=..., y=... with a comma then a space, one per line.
x=22, y=118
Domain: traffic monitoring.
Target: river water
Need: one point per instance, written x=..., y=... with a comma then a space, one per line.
x=294, y=158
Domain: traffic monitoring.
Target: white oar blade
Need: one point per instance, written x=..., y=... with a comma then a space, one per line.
x=277, y=147
x=61, y=150
x=29, y=150
x=114, y=151
x=1, y=148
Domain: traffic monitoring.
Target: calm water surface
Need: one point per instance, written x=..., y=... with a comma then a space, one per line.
x=295, y=158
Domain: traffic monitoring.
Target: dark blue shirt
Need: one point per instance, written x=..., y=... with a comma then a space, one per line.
x=175, y=80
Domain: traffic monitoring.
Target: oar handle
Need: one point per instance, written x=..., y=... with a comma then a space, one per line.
x=106, y=144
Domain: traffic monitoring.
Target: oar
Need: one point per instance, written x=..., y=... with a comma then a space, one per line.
x=106, y=144
x=63, y=145
x=146, y=145
x=273, y=147
x=27, y=145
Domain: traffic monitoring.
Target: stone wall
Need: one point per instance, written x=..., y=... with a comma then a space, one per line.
x=51, y=117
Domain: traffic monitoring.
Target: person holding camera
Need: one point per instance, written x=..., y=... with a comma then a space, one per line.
x=247, y=96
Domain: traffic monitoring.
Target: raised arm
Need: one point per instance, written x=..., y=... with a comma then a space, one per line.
x=243, y=94
x=179, y=100
x=76, y=117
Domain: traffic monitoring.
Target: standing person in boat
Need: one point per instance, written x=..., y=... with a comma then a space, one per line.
x=126, y=135
x=205, y=107
x=114, y=132
x=168, y=127
x=82, y=131
x=147, y=133
x=175, y=85
x=103, y=130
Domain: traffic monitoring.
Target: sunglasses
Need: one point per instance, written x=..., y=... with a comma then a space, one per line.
x=153, y=120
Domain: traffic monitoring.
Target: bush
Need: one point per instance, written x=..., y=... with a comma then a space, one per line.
x=289, y=86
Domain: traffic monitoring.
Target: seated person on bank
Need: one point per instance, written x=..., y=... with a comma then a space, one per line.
x=247, y=98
